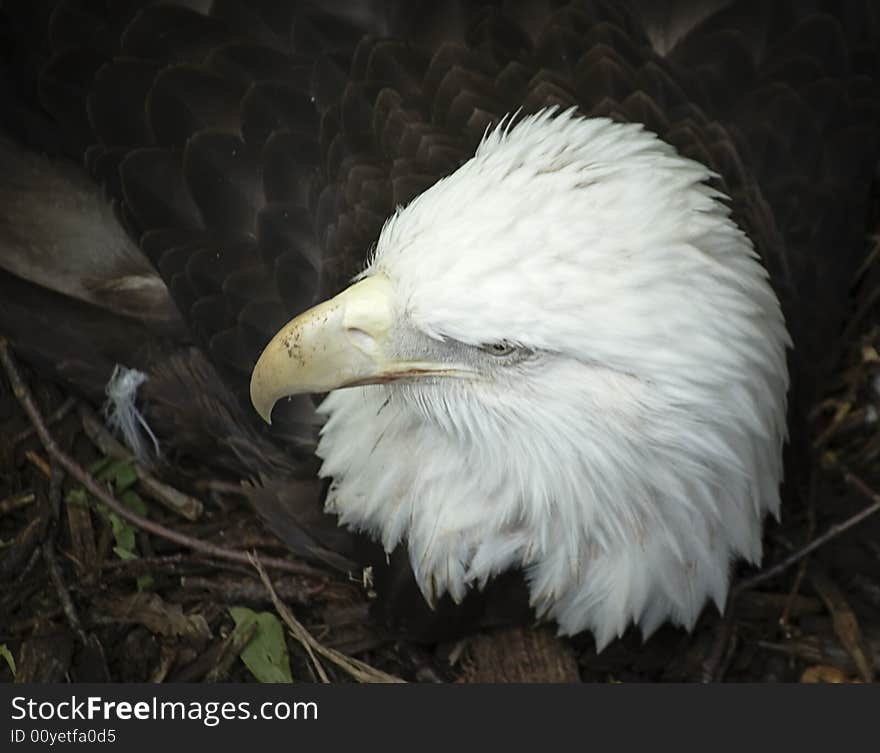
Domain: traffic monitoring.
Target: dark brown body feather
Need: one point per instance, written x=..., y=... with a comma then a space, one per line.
x=252, y=153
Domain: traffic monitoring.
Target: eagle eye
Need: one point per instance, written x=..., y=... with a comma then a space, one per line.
x=499, y=349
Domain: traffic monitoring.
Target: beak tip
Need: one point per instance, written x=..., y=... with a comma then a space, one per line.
x=265, y=414
x=260, y=404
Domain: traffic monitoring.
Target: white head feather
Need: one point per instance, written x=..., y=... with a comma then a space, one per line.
x=631, y=451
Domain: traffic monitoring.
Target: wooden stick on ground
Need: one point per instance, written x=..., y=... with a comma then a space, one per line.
x=359, y=670
x=712, y=668
x=831, y=533
x=175, y=500
x=23, y=394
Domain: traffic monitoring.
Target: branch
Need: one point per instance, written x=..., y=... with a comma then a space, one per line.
x=24, y=396
x=833, y=532
x=360, y=671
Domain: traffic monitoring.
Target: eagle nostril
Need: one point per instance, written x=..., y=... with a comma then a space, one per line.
x=363, y=340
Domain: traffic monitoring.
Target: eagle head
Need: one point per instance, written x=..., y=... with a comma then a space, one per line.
x=565, y=358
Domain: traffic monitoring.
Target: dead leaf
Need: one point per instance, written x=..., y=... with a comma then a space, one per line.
x=845, y=623
x=824, y=673
x=158, y=616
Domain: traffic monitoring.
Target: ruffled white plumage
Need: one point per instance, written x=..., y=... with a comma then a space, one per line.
x=625, y=467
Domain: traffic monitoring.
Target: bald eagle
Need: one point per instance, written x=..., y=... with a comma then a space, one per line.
x=547, y=260
x=582, y=371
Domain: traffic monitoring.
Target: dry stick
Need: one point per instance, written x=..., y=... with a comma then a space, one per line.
x=802, y=566
x=38, y=462
x=712, y=666
x=52, y=567
x=832, y=533
x=15, y=502
x=23, y=394
x=792, y=593
x=175, y=500
x=229, y=650
x=714, y=663
x=145, y=564
x=67, y=607
x=59, y=413
x=296, y=627
x=360, y=671
x=167, y=656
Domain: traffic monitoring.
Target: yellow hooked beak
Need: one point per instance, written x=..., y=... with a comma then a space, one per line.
x=342, y=342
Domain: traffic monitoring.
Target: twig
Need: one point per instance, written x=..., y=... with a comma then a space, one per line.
x=845, y=623
x=713, y=666
x=792, y=594
x=54, y=418
x=67, y=606
x=169, y=562
x=22, y=393
x=15, y=502
x=229, y=650
x=717, y=659
x=817, y=650
x=213, y=663
x=25, y=544
x=236, y=590
x=26, y=570
x=167, y=657
x=360, y=671
x=832, y=533
x=802, y=567
x=38, y=461
x=52, y=567
x=308, y=642
x=175, y=500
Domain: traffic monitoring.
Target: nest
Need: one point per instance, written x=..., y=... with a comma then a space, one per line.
x=110, y=571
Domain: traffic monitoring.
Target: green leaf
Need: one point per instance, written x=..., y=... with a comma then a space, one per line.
x=265, y=655
x=124, y=535
x=7, y=655
x=120, y=473
x=99, y=466
x=123, y=531
x=144, y=582
x=123, y=475
x=77, y=497
x=134, y=502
